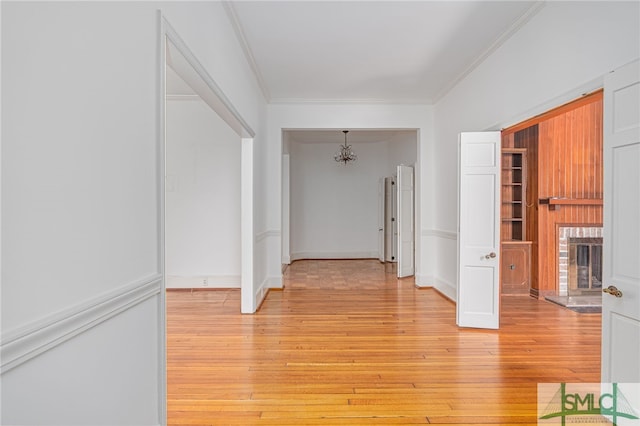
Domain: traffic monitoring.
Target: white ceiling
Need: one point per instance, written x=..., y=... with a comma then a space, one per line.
x=377, y=51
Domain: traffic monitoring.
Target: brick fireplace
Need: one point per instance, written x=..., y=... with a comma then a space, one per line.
x=579, y=258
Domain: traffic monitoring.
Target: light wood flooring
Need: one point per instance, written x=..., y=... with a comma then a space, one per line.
x=347, y=343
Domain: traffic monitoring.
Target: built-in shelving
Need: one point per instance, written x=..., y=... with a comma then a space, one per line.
x=514, y=194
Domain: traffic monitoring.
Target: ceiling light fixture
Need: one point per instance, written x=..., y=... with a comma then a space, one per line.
x=345, y=154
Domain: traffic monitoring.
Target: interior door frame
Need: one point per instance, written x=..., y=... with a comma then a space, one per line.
x=190, y=69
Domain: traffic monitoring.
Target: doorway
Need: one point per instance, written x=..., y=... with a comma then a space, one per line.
x=330, y=210
x=175, y=54
x=559, y=196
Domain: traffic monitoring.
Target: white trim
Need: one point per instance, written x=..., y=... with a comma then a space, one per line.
x=266, y=234
x=246, y=48
x=569, y=96
x=196, y=75
x=247, y=237
x=25, y=343
x=272, y=282
x=160, y=181
x=212, y=281
x=334, y=255
x=424, y=281
x=438, y=233
x=446, y=288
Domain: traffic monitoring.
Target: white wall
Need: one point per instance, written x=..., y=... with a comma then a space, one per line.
x=563, y=51
x=354, y=116
x=202, y=237
x=82, y=307
x=401, y=149
x=334, y=207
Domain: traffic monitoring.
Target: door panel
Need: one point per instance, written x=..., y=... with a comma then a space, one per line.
x=381, y=209
x=405, y=222
x=391, y=232
x=621, y=242
x=479, y=230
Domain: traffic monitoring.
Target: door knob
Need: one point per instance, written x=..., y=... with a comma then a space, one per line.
x=612, y=290
x=490, y=255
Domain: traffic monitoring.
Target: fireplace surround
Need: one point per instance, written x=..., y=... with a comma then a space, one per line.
x=579, y=259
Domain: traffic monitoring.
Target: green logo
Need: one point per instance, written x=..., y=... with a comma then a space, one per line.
x=589, y=405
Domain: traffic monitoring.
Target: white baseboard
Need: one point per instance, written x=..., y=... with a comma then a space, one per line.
x=334, y=255
x=446, y=288
x=424, y=281
x=204, y=281
x=267, y=284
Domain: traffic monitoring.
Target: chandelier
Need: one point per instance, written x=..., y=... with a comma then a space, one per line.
x=345, y=154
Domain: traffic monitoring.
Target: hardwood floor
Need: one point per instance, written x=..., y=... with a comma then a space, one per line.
x=346, y=343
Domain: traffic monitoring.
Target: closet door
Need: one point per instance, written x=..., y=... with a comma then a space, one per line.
x=390, y=230
x=405, y=222
x=381, y=226
x=478, y=303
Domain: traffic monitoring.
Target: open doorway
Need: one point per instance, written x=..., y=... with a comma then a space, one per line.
x=552, y=205
x=175, y=54
x=330, y=210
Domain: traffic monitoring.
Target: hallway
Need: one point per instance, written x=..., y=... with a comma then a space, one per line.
x=346, y=342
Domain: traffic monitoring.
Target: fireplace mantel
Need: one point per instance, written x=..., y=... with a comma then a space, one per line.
x=554, y=203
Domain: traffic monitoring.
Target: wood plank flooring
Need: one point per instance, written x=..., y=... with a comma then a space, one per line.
x=346, y=343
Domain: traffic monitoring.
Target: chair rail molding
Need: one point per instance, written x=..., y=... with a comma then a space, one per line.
x=27, y=342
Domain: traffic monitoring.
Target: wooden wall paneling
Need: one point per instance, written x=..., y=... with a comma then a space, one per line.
x=570, y=166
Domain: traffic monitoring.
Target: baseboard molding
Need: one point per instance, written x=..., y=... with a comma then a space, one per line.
x=204, y=281
x=446, y=288
x=269, y=283
x=20, y=345
x=334, y=255
x=424, y=281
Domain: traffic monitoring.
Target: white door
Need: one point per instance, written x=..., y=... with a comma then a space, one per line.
x=391, y=228
x=381, y=204
x=621, y=300
x=478, y=302
x=405, y=222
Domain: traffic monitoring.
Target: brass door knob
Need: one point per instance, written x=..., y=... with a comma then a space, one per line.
x=612, y=290
x=490, y=255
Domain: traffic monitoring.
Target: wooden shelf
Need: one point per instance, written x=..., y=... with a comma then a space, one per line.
x=514, y=194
